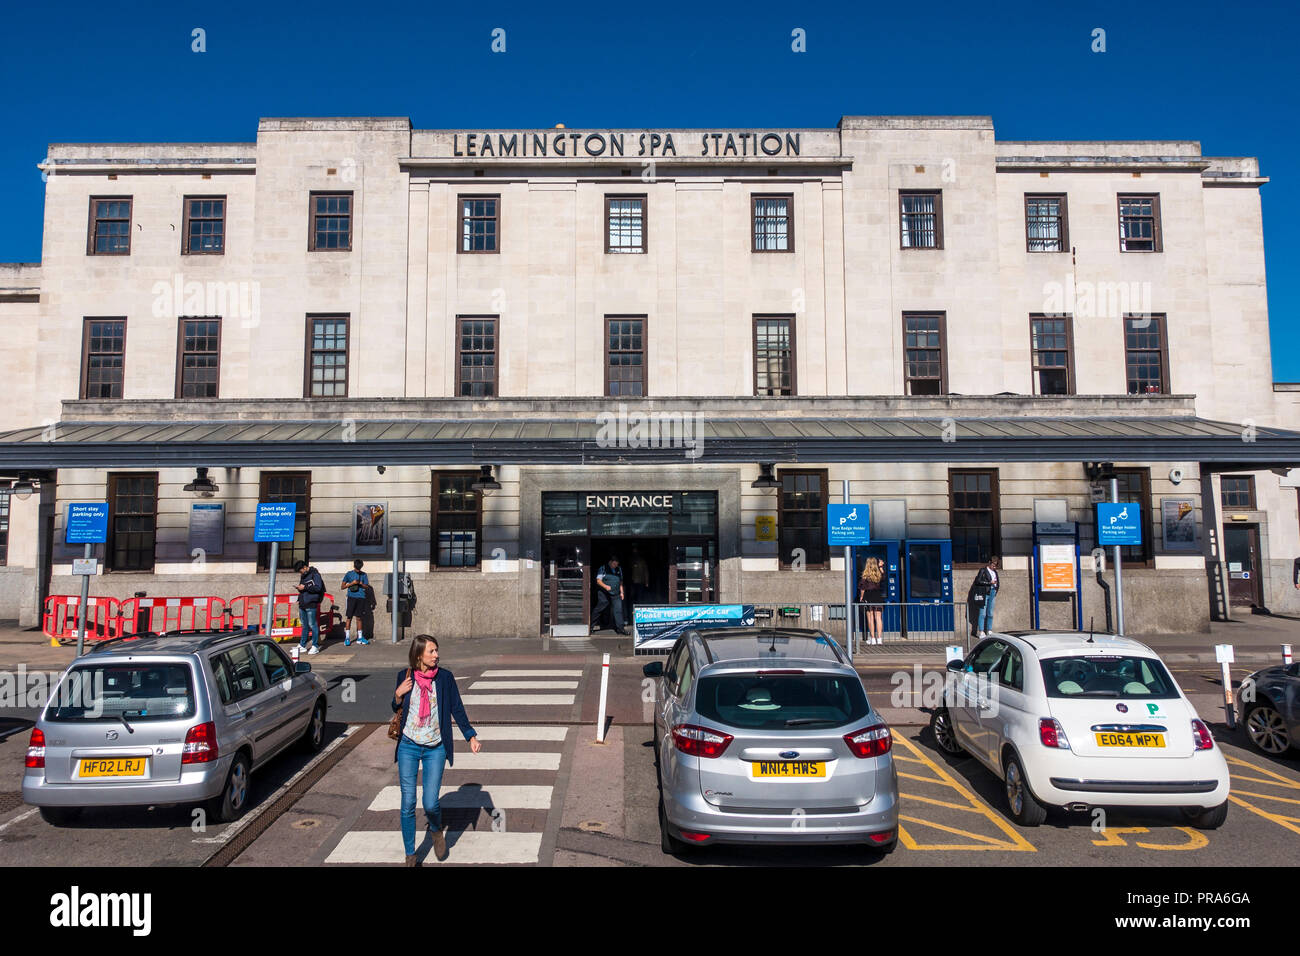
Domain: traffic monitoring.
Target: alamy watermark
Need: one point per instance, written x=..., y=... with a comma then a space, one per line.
x=623, y=429
x=235, y=300
x=34, y=689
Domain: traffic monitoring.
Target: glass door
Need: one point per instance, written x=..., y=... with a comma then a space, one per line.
x=564, y=581
x=693, y=571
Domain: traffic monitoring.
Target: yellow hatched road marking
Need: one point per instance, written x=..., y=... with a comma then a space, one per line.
x=1271, y=783
x=1278, y=779
x=994, y=842
x=907, y=759
x=912, y=776
x=943, y=803
x=1290, y=823
x=1265, y=796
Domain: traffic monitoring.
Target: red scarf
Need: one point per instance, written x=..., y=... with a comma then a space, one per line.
x=425, y=680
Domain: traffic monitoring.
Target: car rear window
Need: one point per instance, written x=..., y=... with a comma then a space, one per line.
x=781, y=701
x=1113, y=676
x=132, y=691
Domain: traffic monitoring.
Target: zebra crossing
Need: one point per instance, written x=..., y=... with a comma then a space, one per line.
x=496, y=803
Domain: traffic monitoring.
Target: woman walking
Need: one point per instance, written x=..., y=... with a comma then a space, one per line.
x=871, y=591
x=427, y=699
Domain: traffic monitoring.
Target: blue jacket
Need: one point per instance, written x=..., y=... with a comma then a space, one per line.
x=449, y=706
x=311, y=594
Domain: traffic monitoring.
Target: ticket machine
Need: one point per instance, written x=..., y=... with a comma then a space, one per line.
x=927, y=589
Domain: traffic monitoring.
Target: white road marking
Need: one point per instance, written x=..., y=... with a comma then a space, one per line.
x=485, y=796
x=525, y=685
x=470, y=846
x=522, y=673
x=523, y=733
x=504, y=760
x=20, y=817
x=507, y=700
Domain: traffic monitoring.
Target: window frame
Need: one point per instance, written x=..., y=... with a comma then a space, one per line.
x=315, y=194
x=185, y=225
x=645, y=349
x=312, y=317
x=181, y=353
x=1035, y=368
x=434, y=513
x=85, y=355
x=943, y=353
x=1157, y=226
x=645, y=225
x=460, y=224
x=938, y=218
x=995, y=533
x=790, y=318
x=1064, y=221
x=110, y=548
x=824, y=474
x=753, y=221
x=92, y=220
x=1252, y=501
x=1159, y=319
x=496, y=355
x=264, y=548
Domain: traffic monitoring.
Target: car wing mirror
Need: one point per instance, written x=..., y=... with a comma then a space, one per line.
x=653, y=669
x=957, y=664
x=302, y=667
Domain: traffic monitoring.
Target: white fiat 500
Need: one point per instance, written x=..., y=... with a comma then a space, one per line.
x=1078, y=721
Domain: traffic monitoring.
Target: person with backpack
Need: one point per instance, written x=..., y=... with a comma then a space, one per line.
x=871, y=592
x=979, y=600
x=311, y=589
x=357, y=584
x=609, y=582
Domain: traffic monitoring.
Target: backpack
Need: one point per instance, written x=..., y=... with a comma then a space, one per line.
x=371, y=601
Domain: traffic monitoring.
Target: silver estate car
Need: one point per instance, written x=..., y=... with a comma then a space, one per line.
x=765, y=735
x=177, y=718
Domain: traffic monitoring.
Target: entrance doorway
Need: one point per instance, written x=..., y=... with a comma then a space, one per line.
x=1241, y=548
x=644, y=562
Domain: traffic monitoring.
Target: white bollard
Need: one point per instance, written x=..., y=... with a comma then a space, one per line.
x=1286, y=654
x=604, y=691
x=1224, y=654
x=293, y=653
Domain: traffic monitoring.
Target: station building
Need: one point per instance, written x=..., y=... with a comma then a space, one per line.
x=521, y=351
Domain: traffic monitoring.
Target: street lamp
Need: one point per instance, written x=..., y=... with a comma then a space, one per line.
x=485, y=480
x=202, y=484
x=766, y=479
x=23, y=487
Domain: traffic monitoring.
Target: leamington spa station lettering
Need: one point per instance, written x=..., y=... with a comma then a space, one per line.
x=501, y=145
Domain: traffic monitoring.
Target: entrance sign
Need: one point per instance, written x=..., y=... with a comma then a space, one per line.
x=652, y=502
x=1119, y=523
x=86, y=522
x=274, y=521
x=848, y=525
x=657, y=627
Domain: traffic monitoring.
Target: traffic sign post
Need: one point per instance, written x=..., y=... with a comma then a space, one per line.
x=849, y=526
x=1117, y=525
x=86, y=523
x=275, y=522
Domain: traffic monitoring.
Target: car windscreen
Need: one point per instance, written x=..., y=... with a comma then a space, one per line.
x=133, y=692
x=781, y=701
x=1123, y=677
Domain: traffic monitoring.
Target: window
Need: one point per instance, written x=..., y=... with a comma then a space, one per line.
x=331, y=222
x=801, y=518
x=774, y=355
x=244, y=675
x=476, y=369
x=327, y=356
x=204, y=232
x=457, y=519
x=974, y=515
x=1237, y=491
x=1011, y=671
x=1139, y=224
x=222, y=677
x=4, y=527
x=480, y=223
x=198, y=358
x=1046, y=225
x=132, y=521
x=1134, y=486
x=286, y=486
x=625, y=224
x=110, y=226
x=1052, y=343
x=920, y=217
x=103, y=351
x=625, y=355
x=1146, y=354
x=925, y=362
x=773, y=223
x=275, y=665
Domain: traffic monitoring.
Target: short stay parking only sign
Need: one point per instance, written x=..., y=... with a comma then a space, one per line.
x=274, y=521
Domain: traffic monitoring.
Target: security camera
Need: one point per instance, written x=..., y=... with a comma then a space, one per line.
x=1176, y=476
x=381, y=469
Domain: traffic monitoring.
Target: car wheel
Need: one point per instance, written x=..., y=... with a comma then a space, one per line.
x=941, y=727
x=667, y=842
x=1207, y=819
x=1267, y=730
x=313, y=737
x=60, y=816
x=230, y=803
x=1025, y=810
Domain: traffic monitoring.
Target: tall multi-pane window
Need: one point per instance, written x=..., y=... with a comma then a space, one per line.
x=773, y=218
x=476, y=365
x=103, y=350
x=973, y=515
x=133, y=521
x=281, y=487
x=204, y=231
x=1051, y=340
x=480, y=222
x=4, y=526
x=1237, y=491
x=1134, y=486
x=920, y=218
x=1146, y=354
x=774, y=369
x=327, y=356
x=625, y=224
x=801, y=518
x=331, y=222
x=198, y=363
x=110, y=226
x=625, y=355
x=925, y=363
x=1139, y=223
x=457, y=519
x=1046, y=227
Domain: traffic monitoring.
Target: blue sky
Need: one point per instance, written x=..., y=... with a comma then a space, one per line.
x=97, y=72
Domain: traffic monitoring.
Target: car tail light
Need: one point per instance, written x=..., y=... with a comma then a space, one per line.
x=700, y=741
x=1201, y=734
x=36, y=749
x=200, y=744
x=881, y=837
x=1052, y=734
x=870, y=742
x=693, y=837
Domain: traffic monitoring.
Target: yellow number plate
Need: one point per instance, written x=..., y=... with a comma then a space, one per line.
x=1130, y=740
x=786, y=768
x=113, y=767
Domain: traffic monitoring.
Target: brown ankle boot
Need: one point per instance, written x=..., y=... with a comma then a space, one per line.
x=412, y=860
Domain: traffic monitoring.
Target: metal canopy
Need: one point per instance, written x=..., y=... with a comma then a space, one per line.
x=272, y=443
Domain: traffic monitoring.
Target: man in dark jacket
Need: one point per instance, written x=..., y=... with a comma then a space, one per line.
x=979, y=600
x=609, y=584
x=311, y=589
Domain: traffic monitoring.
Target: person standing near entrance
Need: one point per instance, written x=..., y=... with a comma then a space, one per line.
x=983, y=592
x=311, y=589
x=609, y=581
x=356, y=581
x=871, y=592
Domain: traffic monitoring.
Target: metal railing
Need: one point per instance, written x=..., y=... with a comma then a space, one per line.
x=902, y=624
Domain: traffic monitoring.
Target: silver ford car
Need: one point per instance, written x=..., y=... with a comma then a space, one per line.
x=765, y=735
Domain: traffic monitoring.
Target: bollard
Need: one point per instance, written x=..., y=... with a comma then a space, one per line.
x=294, y=653
x=1286, y=654
x=1223, y=653
x=604, y=688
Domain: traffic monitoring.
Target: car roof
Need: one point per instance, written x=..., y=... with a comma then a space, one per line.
x=1079, y=643
x=169, y=642
x=766, y=645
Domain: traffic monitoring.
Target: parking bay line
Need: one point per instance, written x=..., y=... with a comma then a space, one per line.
x=1286, y=822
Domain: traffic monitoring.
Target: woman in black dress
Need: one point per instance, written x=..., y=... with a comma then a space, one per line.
x=871, y=591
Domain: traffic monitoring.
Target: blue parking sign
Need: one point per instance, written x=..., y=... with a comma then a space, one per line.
x=275, y=521
x=848, y=525
x=1119, y=523
x=86, y=522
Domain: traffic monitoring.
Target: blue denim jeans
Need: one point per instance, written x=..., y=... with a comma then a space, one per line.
x=410, y=757
x=984, y=622
x=310, y=624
